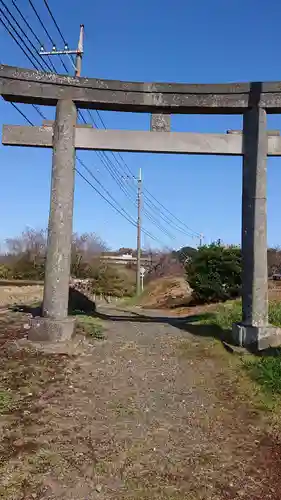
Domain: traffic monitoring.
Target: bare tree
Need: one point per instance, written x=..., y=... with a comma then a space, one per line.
x=89, y=245
x=164, y=264
x=14, y=246
x=31, y=240
x=274, y=260
x=85, y=249
x=26, y=253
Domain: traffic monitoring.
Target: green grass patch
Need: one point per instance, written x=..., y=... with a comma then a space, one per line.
x=275, y=313
x=91, y=326
x=224, y=315
x=265, y=370
x=131, y=301
x=231, y=312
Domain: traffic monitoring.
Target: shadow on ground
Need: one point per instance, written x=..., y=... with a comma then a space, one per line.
x=81, y=304
x=78, y=303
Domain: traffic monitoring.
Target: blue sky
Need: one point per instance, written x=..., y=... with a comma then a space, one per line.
x=179, y=41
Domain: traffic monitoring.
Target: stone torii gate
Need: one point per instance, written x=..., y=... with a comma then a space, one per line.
x=253, y=100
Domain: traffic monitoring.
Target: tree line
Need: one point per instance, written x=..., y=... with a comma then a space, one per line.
x=213, y=271
x=24, y=259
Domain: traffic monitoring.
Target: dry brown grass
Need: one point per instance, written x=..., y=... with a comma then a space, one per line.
x=166, y=292
x=10, y=295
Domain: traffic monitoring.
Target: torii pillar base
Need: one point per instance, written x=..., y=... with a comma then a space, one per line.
x=256, y=337
x=51, y=330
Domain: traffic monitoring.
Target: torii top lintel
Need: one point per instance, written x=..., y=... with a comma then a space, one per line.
x=35, y=87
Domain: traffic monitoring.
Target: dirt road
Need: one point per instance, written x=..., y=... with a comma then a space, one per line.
x=151, y=412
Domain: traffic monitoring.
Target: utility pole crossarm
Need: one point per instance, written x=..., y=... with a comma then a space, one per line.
x=66, y=51
x=57, y=52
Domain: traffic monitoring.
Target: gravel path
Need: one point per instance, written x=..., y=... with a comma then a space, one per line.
x=151, y=412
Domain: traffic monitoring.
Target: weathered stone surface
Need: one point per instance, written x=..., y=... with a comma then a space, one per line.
x=254, y=220
x=23, y=85
x=17, y=135
x=47, y=329
x=31, y=75
x=160, y=122
x=47, y=94
x=56, y=290
x=138, y=141
x=259, y=337
x=129, y=140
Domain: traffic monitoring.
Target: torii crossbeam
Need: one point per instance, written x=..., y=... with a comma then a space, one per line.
x=137, y=141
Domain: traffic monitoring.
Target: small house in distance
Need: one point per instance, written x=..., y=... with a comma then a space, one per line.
x=126, y=258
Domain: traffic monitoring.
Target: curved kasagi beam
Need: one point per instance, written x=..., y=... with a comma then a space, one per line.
x=30, y=86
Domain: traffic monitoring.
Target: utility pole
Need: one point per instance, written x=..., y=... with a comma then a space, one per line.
x=201, y=239
x=79, y=53
x=66, y=51
x=138, y=277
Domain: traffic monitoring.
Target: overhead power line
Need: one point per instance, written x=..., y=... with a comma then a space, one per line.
x=103, y=157
x=117, y=209
x=24, y=34
x=114, y=173
x=120, y=210
x=146, y=190
x=46, y=31
x=187, y=231
x=107, y=162
x=112, y=169
x=21, y=113
x=21, y=39
x=55, y=22
x=41, y=22
x=172, y=215
x=26, y=23
x=60, y=32
x=100, y=184
x=24, y=19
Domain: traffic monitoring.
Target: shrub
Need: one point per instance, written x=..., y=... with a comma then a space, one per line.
x=107, y=280
x=5, y=272
x=28, y=268
x=214, y=273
